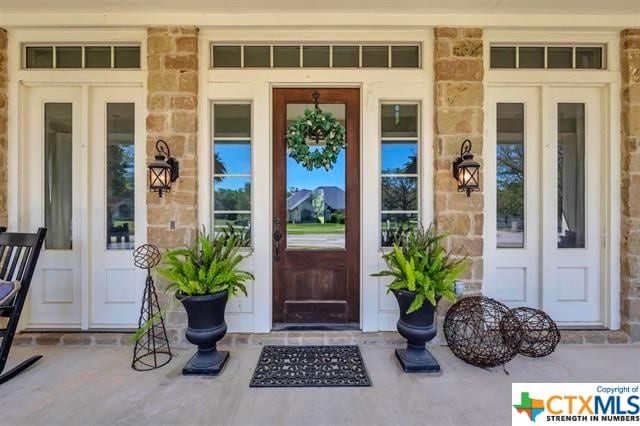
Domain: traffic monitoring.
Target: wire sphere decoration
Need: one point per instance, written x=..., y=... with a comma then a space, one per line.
x=473, y=331
x=146, y=256
x=540, y=334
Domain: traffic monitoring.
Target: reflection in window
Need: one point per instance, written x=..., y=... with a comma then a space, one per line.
x=571, y=186
x=58, y=195
x=399, y=171
x=232, y=170
x=510, y=175
x=316, y=199
x=120, y=176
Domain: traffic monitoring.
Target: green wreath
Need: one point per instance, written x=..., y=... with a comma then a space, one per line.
x=305, y=128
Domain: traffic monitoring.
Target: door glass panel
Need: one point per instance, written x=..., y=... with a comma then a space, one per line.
x=316, y=200
x=120, y=176
x=232, y=193
x=399, y=120
x=510, y=175
x=58, y=202
x=571, y=168
x=232, y=120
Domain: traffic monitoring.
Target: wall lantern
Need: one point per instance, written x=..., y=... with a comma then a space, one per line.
x=466, y=171
x=163, y=170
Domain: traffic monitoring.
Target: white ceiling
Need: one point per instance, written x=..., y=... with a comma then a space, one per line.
x=487, y=7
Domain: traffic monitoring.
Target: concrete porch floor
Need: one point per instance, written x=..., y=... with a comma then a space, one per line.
x=95, y=385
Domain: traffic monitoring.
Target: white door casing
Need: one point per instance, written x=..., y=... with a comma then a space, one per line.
x=566, y=282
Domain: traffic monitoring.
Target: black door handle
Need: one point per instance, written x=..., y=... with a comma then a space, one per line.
x=277, y=236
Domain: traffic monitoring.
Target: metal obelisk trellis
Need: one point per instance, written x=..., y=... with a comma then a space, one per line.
x=152, y=346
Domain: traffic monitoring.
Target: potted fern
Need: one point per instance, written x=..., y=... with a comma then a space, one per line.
x=423, y=272
x=204, y=276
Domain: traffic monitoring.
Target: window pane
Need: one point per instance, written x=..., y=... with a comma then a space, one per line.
x=121, y=176
x=39, y=57
x=97, y=57
x=346, y=56
x=510, y=175
x=399, y=157
x=405, y=56
x=231, y=193
x=126, y=56
x=239, y=222
x=58, y=196
x=399, y=193
x=375, y=56
x=560, y=57
x=531, y=57
x=571, y=186
x=226, y=57
x=315, y=56
x=316, y=202
x=286, y=56
x=257, y=56
x=399, y=120
x=503, y=57
x=232, y=157
x=394, y=225
x=68, y=57
x=231, y=120
x=589, y=57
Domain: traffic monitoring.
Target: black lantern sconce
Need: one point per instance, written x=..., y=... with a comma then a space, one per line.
x=164, y=170
x=466, y=171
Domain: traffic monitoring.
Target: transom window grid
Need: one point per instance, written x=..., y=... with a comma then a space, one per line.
x=223, y=215
x=394, y=58
x=413, y=215
x=85, y=51
x=546, y=49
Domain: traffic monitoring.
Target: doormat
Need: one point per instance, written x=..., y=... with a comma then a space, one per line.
x=310, y=366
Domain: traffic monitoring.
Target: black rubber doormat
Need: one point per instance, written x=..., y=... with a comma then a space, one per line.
x=310, y=366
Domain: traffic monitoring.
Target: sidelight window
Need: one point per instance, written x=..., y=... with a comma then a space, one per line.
x=231, y=159
x=399, y=170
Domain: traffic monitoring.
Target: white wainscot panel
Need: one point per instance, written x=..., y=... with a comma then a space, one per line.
x=120, y=286
x=510, y=285
x=571, y=285
x=57, y=285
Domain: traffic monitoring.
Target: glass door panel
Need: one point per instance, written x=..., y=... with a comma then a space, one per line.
x=316, y=207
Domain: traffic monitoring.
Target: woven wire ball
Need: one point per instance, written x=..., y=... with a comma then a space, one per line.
x=146, y=256
x=473, y=333
x=540, y=334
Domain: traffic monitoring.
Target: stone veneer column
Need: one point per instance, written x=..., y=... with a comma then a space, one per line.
x=630, y=146
x=3, y=127
x=459, y=94
x=172, y=101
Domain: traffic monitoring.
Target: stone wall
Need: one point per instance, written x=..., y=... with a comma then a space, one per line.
x=630, y=142
x=3, y=127
x=459, y=95
x=172, y=101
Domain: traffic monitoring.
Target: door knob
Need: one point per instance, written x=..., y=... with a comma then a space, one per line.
x=277, y=236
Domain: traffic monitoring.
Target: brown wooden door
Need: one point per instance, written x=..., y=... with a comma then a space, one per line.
x=316, y=215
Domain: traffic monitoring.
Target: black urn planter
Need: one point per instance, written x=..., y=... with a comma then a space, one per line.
x=418, y=328
x=206, y=326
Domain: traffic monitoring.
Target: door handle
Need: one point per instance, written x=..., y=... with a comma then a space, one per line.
x=277, y=236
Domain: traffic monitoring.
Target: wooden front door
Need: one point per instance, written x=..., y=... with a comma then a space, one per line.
x=316, y=229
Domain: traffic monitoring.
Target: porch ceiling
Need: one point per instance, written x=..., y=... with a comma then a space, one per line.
x=487, y=7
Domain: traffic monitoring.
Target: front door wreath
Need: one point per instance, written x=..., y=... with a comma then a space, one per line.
x=315, y=124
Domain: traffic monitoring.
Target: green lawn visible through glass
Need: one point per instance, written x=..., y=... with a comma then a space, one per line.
x=315, y=228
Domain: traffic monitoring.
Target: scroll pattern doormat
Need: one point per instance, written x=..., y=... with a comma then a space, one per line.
x=310, y=366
